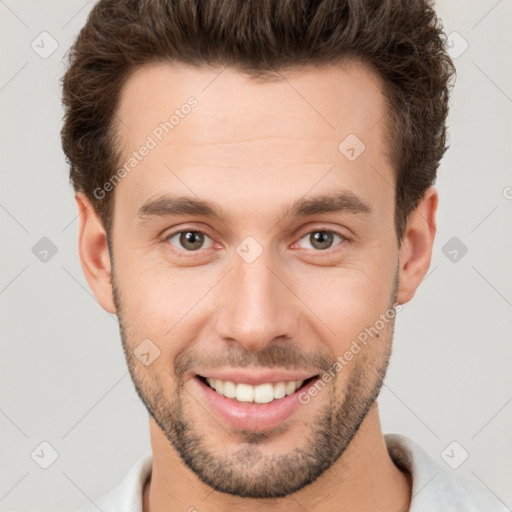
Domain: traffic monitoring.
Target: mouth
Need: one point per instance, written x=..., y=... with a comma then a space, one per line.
x=257, y=407
x=261, y=394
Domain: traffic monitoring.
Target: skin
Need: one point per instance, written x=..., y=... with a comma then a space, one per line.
x=253, y=148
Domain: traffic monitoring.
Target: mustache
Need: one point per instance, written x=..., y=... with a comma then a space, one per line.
x=284, y=356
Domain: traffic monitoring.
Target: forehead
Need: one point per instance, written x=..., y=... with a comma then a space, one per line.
x=251, y=135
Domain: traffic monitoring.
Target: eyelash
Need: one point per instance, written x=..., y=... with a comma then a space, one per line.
x=182, y=252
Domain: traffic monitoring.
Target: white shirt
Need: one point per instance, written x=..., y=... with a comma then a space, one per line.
x=435, y=488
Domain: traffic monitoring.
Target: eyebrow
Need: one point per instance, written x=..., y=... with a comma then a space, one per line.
x=166, y=205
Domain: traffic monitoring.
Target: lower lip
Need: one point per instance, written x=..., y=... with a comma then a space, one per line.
x=250, y=415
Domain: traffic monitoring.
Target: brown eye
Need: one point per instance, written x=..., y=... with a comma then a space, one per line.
x=188, y=240
x=321, y=239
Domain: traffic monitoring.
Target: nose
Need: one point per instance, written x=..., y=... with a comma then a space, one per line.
x=256, y=305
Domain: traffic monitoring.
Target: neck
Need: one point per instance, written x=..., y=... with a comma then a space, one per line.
x=363, y=478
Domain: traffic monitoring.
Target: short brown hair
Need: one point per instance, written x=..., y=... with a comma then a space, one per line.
x=402, y=40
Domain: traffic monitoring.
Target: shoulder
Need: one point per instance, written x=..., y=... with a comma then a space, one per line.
x=127, y=496
x=435, y=487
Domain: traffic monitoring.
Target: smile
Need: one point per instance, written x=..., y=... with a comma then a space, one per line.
x=259, y=405
x=260, y=394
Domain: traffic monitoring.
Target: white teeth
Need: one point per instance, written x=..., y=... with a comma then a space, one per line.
x=229, y=389
x=219, y=386
x=291, y=386
x=280, y=390
x=264, y=393
x=244, y=393
x=261, y=394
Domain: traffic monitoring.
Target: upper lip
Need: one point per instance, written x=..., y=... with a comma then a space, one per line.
x=256, y=377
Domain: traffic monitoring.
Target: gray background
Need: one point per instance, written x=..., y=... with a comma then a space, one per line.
x=63, y=378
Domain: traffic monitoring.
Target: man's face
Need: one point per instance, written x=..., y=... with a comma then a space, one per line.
x=259, y=293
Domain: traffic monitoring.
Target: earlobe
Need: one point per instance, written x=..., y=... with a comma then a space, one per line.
x=94, y=253
x=416, y=250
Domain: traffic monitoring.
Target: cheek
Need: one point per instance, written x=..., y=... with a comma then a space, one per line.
x=347, y=300
x=161, y=303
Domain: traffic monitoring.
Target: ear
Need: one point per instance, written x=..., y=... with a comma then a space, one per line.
x=94, y=253
x=416, y=250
